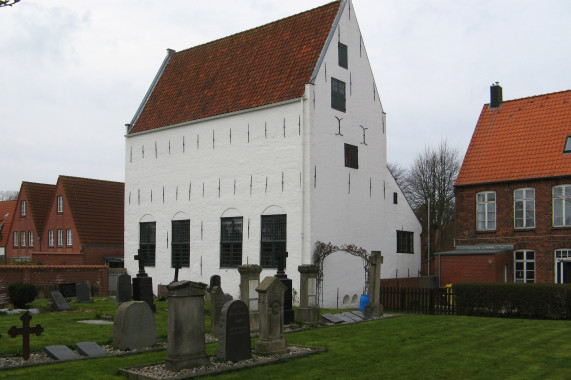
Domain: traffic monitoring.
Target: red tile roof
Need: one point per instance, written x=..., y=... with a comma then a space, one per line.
x=7, y=209
x=265, y=65
x=40, y=197
x=97, y=209
x=521, y=139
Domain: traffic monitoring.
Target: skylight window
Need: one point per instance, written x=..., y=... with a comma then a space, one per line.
x=567, y=145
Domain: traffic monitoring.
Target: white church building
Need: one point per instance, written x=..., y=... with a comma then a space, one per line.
x=268, y=140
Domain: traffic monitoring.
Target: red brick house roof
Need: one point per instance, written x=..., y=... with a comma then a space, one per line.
x=520, y=139
x=39, y=197
x=264, y=65
x=97, y=209
x=7, y=209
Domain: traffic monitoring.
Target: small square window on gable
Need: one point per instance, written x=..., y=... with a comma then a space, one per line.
x=351, y=156
x=567, y=145
x=342, y=49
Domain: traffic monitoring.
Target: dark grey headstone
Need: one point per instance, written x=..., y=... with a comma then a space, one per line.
x=134, y=326
x=60, y=353
x=216, y=304
x=123, y=288
x=143, y=291
x=234, y=343
x=90, y=349
x=360, y=314
x=67, y=289
x=214, y=281
x=333, y=318
x=82, y=292
x=59, y=302
x=353, y=317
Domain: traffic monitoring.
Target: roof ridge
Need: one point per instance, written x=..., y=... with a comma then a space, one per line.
x=89, y=179
x=532, y=96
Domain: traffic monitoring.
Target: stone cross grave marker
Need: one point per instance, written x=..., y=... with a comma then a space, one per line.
x=82, y=292
x=141, y=256
x=59, y=302
x=25, y=331
x=143, y=284
x=234, y=343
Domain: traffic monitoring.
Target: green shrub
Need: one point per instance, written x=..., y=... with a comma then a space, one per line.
x=22, y=294
x=543, y=301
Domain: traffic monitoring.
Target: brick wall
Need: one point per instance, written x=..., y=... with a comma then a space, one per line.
x=49, y=276
x=405, y=282
x=484, y=268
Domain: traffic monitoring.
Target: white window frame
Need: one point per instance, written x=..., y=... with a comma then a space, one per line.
x=60, y=238
x=561, y=256
x=16, y=238
x=23, y=208
x=69, y=237
x=524, y=262
x=30, y=238
x=50, y=238
x=23, y=238
x=561, y=206
x=524, y=202
x=488, y=206
x=60, y=203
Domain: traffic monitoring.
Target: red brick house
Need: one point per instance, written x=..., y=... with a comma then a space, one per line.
x=34, y=200
x=513, y=194
x=78, y=221
x=6, y=215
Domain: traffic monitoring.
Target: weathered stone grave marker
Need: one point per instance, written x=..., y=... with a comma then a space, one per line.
x=249, y=281
x=375, y=308
x=271, y=292
x=82, y=293
x=308, y=310
x=25, y=331
x=234, y=343
x=289, y=315
x=90, y=349
x=59, y=303
x=216, y=304
x=134, y=326
x=143, y=284
x=60, y=352
x=124, y=290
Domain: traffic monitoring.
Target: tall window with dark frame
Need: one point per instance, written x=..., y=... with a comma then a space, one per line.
x=147, y=241
x=337, y=94
x=273, y=239
x=180, y=245
x=231, y=242
x=405, y=242
x=351, y=156
x=342, y=48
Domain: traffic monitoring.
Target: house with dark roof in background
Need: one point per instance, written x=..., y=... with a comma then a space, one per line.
x=78, y=221
x=513, y=194
x=265, y=142
x=6, y=216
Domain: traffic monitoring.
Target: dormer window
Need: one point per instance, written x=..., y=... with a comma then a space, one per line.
x=342, y=50
x=567, y=145
x=60, y=204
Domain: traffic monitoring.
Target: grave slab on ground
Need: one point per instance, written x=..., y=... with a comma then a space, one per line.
x=60, y=352
x=90, y=349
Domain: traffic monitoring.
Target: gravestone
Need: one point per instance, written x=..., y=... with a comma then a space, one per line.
x=82, y=292
x=333, y=318
x=216, y=304
x=25, y=331
x=90, y=349
x=249, y=281
x=271, y=338
x=59, y=303
x=186, y=343
x=308, y=310
x=123, y=289
x=214, y=281
x=289, y=315
x=134, y=326
x=143, y=284
x=60, y=352
x=234, y=343
x=375, y=308
x=67, y=289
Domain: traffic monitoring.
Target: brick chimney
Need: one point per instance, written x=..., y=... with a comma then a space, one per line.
x=495, y=95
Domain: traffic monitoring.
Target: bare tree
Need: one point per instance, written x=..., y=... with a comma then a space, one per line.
x=430, y=180
x=398, y=172
x=8, y=195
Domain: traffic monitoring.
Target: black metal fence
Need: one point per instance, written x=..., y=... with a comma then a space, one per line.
x=418, y=300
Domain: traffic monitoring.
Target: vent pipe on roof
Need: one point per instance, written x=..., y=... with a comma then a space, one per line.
x=495, y=95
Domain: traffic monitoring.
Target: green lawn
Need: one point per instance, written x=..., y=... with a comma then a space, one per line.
x=407, y=347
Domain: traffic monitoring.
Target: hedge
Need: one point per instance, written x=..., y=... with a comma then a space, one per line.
x=540, y=301
x=21, y=294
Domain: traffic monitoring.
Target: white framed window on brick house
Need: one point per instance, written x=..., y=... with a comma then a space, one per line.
x=180, y=246
x=23, y=238
x=23, y=208
x=60, y=238
x=68, y=237
x=486, y=211
x=562, y=206
x=231, y=242
x=60, y=203
x=16, y=238
x=147, y=241
x=50, y=238
x=524, y=208
x=30, y=238
x=524, y=266
x=563, y=266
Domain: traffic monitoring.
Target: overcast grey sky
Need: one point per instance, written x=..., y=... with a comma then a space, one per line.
x=72, y=73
